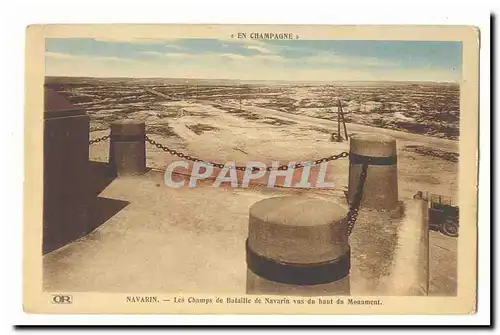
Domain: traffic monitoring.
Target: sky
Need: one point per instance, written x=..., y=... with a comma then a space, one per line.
x=293, y=60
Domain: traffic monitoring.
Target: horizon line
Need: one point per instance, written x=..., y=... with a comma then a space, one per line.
x=268, y=80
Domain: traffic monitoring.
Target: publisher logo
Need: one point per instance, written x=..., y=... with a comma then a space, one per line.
x=62, y=299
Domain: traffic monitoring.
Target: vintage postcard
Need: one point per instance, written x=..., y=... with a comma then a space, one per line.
x=249, y=169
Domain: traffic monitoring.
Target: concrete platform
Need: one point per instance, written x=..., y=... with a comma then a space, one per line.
x=158, y=239
x=151, y=238
x=443, y=265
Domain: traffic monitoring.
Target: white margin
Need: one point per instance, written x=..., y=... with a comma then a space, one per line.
x=17, y=15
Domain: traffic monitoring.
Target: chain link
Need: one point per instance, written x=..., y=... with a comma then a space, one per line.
x=99, y=139
x=91, y=130
x=352, y=215
x=244, y=168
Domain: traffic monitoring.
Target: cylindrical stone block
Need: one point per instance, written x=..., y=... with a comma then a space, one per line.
x=380, y=189
x=127, y=152
x=297, y=246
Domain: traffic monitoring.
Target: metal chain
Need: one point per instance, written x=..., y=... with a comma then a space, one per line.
x=352, y=215
x=91, y=130
x=99, y=139
x=242, y=168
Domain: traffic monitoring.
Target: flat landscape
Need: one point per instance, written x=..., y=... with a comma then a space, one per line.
x=420, y=108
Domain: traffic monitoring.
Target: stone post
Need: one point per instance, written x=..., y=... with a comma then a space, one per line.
x=380, y=190
x=127, y=151
x=66, y=193
x=297, y=245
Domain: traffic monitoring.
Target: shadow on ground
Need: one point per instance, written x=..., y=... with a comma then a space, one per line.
x=79, y=218
x=102, y=208
x=101, y=175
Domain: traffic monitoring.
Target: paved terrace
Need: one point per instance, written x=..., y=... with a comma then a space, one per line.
x=151, y=238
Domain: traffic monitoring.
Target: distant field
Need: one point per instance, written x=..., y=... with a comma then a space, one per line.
x=422, y=108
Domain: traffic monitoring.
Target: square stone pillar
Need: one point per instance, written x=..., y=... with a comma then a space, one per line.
x=65, y=171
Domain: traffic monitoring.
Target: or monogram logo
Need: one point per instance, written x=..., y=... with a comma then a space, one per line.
x=62, y=299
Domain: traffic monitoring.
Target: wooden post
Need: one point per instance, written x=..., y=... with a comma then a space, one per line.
x=339, y=136
x=297, y=246
x=343, y=119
